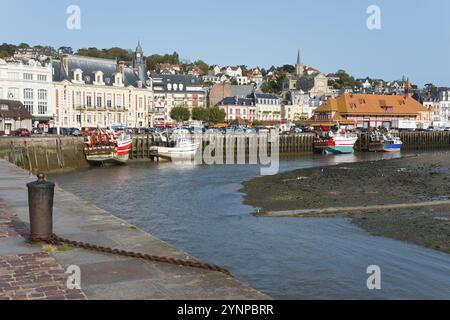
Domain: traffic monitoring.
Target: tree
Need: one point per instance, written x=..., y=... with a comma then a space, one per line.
x=154, y=60
x=180, y=114
x=216, y=115
x=200, y=114
x=202, y=65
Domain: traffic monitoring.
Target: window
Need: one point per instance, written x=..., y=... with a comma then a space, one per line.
x=29, y=105
x=28, y=94
x=42, y=107
x=108, y=101
x=13, y=75
x=89, y=100
x=4, y=107
x=99, y=101
x=27, y=76
x=42, y=77
x=78, y=98
x=42, y=94
x=118, y=101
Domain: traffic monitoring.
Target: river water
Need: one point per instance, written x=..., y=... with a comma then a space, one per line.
x=199, y=210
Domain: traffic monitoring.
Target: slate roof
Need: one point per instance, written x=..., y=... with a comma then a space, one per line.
x=238, y=101
x=15, y=110
x=241, y=91
x=160, y=82
x=90, y=66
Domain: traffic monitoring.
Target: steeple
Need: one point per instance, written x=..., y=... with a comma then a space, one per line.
x=299, y=68
x=139, y=62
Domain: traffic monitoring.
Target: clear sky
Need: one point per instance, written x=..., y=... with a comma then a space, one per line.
x=414, y=39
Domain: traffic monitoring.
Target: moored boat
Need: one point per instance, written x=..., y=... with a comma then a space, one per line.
x=181, y=148
x=335, y=143
x=392, y=144
x=108, y=147
x=384, y=143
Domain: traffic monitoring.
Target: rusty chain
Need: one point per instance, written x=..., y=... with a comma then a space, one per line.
x=56, y=240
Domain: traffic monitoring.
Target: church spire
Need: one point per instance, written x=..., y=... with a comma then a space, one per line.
x=299, y=68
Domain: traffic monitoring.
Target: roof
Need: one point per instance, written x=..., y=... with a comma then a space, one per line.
x=266, y=96
x=238, y=101
x=15, y=110
x=241, y=91
x=89, y=66
x=188, y=83
x=365, y=104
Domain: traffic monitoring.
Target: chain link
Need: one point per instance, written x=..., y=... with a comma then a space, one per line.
x=56, y=240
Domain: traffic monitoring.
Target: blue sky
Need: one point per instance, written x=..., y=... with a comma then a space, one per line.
x=414, y=39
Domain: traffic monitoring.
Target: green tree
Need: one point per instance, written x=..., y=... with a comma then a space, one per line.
x=180, y=114
x=200, y=114
x=216, y=115
x=202, y=65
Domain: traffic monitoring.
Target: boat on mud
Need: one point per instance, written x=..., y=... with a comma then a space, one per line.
x=179, y=147
x=108, y=147
x=340, y=142
x=384, y=142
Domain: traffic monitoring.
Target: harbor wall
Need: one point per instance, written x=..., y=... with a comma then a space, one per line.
x=57, y=153
x=44, y=154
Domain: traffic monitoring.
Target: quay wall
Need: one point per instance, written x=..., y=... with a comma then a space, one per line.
x=58, y=153
x=45, y=154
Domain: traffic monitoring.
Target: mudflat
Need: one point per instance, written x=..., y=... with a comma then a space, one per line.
x=414, y=179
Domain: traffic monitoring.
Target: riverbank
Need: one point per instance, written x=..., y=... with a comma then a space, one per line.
x=103, y=276
x=422, y=178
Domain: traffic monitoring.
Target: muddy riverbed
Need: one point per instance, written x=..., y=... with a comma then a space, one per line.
x=425, y=177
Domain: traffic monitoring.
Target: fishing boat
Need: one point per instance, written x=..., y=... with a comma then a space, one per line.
x=341, y=142
x=392, y=144
x=384, y=143
x=180, y=148
x=108, y=147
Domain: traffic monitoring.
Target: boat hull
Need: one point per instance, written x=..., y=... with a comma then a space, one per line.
x=339, y=150
x=174, y=153
x=111, y=158
x=392, y=147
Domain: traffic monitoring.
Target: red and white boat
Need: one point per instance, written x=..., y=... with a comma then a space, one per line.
x=335, y=143
x=108, y=147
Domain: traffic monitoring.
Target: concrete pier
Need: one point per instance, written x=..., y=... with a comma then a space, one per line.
x=105, y=276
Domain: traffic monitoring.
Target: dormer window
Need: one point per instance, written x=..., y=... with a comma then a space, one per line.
x=78, y=75
x=98, y=76
x=118, y=79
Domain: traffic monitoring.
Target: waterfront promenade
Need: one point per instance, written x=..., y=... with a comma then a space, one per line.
x=37, y=271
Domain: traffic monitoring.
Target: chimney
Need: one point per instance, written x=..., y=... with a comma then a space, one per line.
x=65, y=63
x=122, y=66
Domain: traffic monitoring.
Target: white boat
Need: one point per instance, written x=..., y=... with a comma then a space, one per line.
x=183, y=149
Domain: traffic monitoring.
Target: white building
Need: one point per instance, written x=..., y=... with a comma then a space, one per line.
x=31, y=84
x=233, y=72
x=268, y=107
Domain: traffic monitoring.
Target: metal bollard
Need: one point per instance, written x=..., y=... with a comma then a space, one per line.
x=40, y=203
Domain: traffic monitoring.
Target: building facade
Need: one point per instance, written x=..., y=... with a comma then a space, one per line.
x=371, y=111
x=31, y=84
x=268, y=107
x=100, y=93
x=13, y=116
x=239, y=108
x=175, y=91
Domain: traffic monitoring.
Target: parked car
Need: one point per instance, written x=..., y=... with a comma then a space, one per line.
x=76, y=133
x=37, y=131
x=22, y=133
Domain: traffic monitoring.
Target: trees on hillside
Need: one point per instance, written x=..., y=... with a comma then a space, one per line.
x=154, y=60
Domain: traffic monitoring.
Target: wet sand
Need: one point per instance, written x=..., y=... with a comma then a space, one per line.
x=425, y=177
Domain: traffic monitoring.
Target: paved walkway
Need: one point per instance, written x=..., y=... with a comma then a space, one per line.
x=103, y=276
